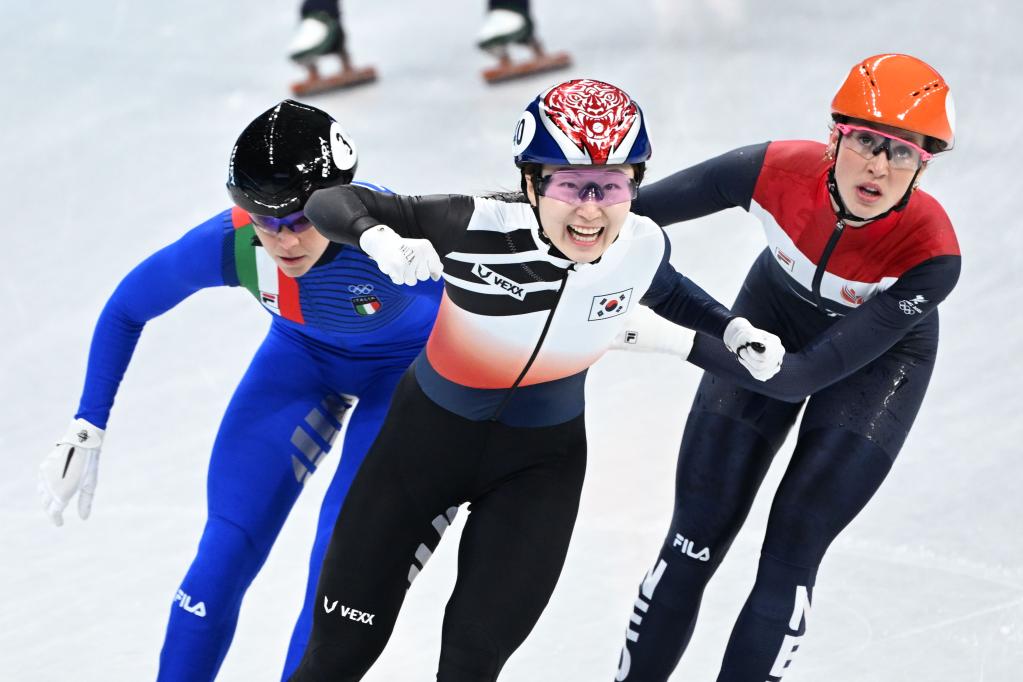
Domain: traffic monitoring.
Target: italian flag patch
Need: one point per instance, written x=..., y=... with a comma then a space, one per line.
x=258, y=273
x=366, y=305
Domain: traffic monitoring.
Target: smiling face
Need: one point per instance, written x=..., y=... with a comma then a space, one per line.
x=582, y=231
x=293, y=252
x=869, y=187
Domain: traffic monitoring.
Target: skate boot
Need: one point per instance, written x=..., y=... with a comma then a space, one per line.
x=320, y=35
x=503, y=28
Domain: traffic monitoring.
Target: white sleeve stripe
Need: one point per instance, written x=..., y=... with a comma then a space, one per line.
x=494, y=258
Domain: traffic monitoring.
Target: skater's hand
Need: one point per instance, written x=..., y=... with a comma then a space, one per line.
x=647, y=332
x=72, y=467
x=405, y=261
x=758, y=351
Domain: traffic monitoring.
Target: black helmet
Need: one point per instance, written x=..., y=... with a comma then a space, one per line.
x=283, y=156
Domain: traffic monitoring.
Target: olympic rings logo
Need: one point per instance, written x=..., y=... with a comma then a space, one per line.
x=908, y=308
x=360, y=289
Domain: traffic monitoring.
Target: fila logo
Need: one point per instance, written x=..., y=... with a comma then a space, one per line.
x=269, y=300
x=513, y=289
x=185, y=602
x=685, y=547
x=348, y=612
x=912, y=307
x=646, y=593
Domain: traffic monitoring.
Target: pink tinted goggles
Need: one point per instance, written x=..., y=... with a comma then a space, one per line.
x=606, y=187
x=296, y=222
x=868, y=143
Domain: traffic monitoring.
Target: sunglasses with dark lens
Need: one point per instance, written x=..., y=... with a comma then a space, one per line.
x=296, y=222
x=606, y=187
x=868, y=143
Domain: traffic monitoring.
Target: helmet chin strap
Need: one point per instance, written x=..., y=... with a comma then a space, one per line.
x=843, y=213
x=535, y=177
x=553, y=249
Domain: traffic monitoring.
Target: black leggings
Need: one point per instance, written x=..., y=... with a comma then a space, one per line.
x=849, y=436
x=523, y=486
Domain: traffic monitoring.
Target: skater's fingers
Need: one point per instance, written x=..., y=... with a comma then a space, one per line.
x=435, y=266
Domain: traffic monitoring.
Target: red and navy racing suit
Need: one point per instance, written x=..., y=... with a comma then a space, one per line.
x=491, y=413
x=860, y=304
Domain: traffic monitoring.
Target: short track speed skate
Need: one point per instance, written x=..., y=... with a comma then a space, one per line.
x=541, y=61
x=320, y=35
x=504, y=28
x=348, y=77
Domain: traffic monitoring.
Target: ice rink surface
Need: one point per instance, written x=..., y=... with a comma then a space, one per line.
x=117, y=120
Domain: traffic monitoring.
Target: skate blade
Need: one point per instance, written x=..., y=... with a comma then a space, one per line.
x=345, y=79
x=542, y=64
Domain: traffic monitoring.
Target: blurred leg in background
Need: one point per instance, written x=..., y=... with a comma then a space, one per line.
x=320, y=34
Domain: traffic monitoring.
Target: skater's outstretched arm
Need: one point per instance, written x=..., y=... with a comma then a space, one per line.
x=679, y=300
x=342, y=214
x=154, y=286
x=726, y=181
x=852, y=342
x=675, y=297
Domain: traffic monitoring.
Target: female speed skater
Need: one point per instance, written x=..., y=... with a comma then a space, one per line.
x=339, y=332
x=492, y=412
x=858, y=260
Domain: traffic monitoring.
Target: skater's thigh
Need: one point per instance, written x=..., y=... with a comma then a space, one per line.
x=267, y=442
x=745, y=410
x=517, y=534
x=849, y=437
x=402, y=499
x=730, y=437
x=372, y=389
x=879, y=402
x=414, y=472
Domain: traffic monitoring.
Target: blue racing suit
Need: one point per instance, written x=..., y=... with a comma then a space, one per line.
x=339, y=333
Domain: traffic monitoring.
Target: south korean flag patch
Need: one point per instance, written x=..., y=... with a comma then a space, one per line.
x=607, y=306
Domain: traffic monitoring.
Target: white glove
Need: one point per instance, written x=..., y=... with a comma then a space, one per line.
x=405, y=261
x=648, y=332
x=758, y=351
x=71, y=468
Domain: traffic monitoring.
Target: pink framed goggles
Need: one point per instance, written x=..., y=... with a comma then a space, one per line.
x=868, y=143
x=296, y=222
x=606, y=187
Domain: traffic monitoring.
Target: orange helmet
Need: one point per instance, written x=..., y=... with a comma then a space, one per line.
x=899, y=91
